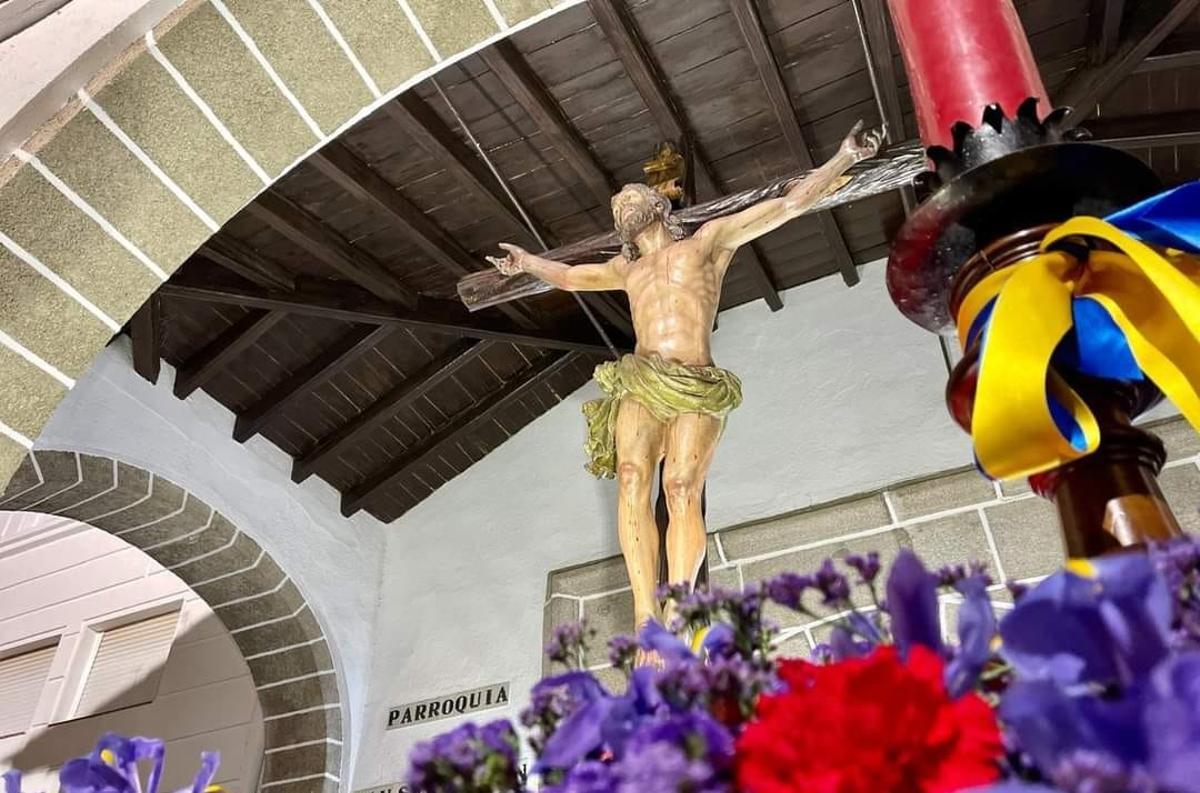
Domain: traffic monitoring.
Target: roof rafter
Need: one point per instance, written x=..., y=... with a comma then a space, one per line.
x=236, y=339
x=329, y=246
x=353, y=305
x=483, y=411
x=745, y=12
x=519, y=80
x=389, y=404
x=1091, y=85
x=349, y=348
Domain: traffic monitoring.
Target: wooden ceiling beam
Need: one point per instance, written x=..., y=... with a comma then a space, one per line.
x=388, y=405
x=1104, y=29
x=145, y=331
x=354, y=176
x=1179, y=128
x=425, y=128
x=308, y=378
x=345, y=169
x=329, y=246
x=238, y=337
x=1091, y=85
x=1187, y=59
x=621, y=32
x=873, y=26
x=352, y=305
x=462, y=425
x=239, y=258
x=519, y=80
x=745, y=12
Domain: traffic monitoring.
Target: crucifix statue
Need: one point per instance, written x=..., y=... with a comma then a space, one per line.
x=667, y=402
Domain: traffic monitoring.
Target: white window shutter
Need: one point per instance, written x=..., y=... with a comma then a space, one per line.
x=22, y=679
x=127, y=666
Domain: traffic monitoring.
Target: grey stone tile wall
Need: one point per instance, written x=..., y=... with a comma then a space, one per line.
x=953, y=517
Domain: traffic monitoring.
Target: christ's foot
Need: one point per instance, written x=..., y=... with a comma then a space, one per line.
x=649, y=658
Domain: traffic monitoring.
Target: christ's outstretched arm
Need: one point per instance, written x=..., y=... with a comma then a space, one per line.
x=571, y=278
x=733, y=231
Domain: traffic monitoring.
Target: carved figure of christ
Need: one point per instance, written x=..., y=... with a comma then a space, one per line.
x=674, y=287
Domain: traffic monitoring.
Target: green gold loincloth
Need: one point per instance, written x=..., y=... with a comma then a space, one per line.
x=664, y=388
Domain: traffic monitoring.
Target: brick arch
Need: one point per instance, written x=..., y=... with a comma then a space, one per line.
x=170, y=140
x=280, y=639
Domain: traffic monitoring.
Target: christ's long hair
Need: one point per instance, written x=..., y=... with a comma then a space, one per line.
x=661, y=206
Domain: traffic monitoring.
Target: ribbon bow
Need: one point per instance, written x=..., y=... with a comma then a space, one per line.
x=1128, y=311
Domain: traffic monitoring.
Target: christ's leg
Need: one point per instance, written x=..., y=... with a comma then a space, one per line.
x=639, y=449
x=691, y=440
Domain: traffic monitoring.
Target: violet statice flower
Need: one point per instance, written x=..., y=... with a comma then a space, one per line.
x=832, y=584
x=568, y=643
x=622, y=650
x=554, y=699
x=787, y=589
x=684, y=752
x=1178, y=562
x=468, y=759
x=867, y=566
x=591, y=776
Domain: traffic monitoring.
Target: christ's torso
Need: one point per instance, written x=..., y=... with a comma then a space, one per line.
x=673, y=296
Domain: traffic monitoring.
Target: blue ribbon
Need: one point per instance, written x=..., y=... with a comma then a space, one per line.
x=1096, y=346
x=1170, y=219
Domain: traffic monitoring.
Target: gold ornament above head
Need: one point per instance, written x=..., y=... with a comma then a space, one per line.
x=665, y=171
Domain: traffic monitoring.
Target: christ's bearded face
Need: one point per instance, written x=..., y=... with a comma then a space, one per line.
x=634, y=210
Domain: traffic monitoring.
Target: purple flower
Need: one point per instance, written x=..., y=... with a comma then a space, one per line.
x=1110, y=629
x=112, y=767
x=591, y=776
x=833, y=585
x=1100, y=704
x=567, y=643
x=468, y=757
x=621, y=651
x=976, y=629
x=1017, y=590
x=912, y=604
x=866, y=566
x=686, y=751
x=1172, y=717
x=787, y=589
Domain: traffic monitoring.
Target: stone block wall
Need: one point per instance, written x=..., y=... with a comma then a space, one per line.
x=953, y=517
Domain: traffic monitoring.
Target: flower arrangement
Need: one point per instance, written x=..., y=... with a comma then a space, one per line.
x=1090, y=684
x=112, y=767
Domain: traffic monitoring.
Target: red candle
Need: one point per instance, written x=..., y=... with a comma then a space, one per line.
x=961, y=56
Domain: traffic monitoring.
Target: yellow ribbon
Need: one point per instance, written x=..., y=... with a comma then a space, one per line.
x=1154, y=298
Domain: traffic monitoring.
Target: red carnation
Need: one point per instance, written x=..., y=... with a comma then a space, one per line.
x=868, y=725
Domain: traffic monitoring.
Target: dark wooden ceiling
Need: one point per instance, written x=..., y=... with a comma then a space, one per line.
x=323, y=315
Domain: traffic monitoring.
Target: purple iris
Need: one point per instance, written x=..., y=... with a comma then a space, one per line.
x=1099, y=702
x=912, y=604
x=112, y=767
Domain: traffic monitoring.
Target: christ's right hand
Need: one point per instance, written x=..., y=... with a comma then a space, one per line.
x=512, y=263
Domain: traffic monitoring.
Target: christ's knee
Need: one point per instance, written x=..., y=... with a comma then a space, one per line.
x=683, y=490
x=634, y=478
